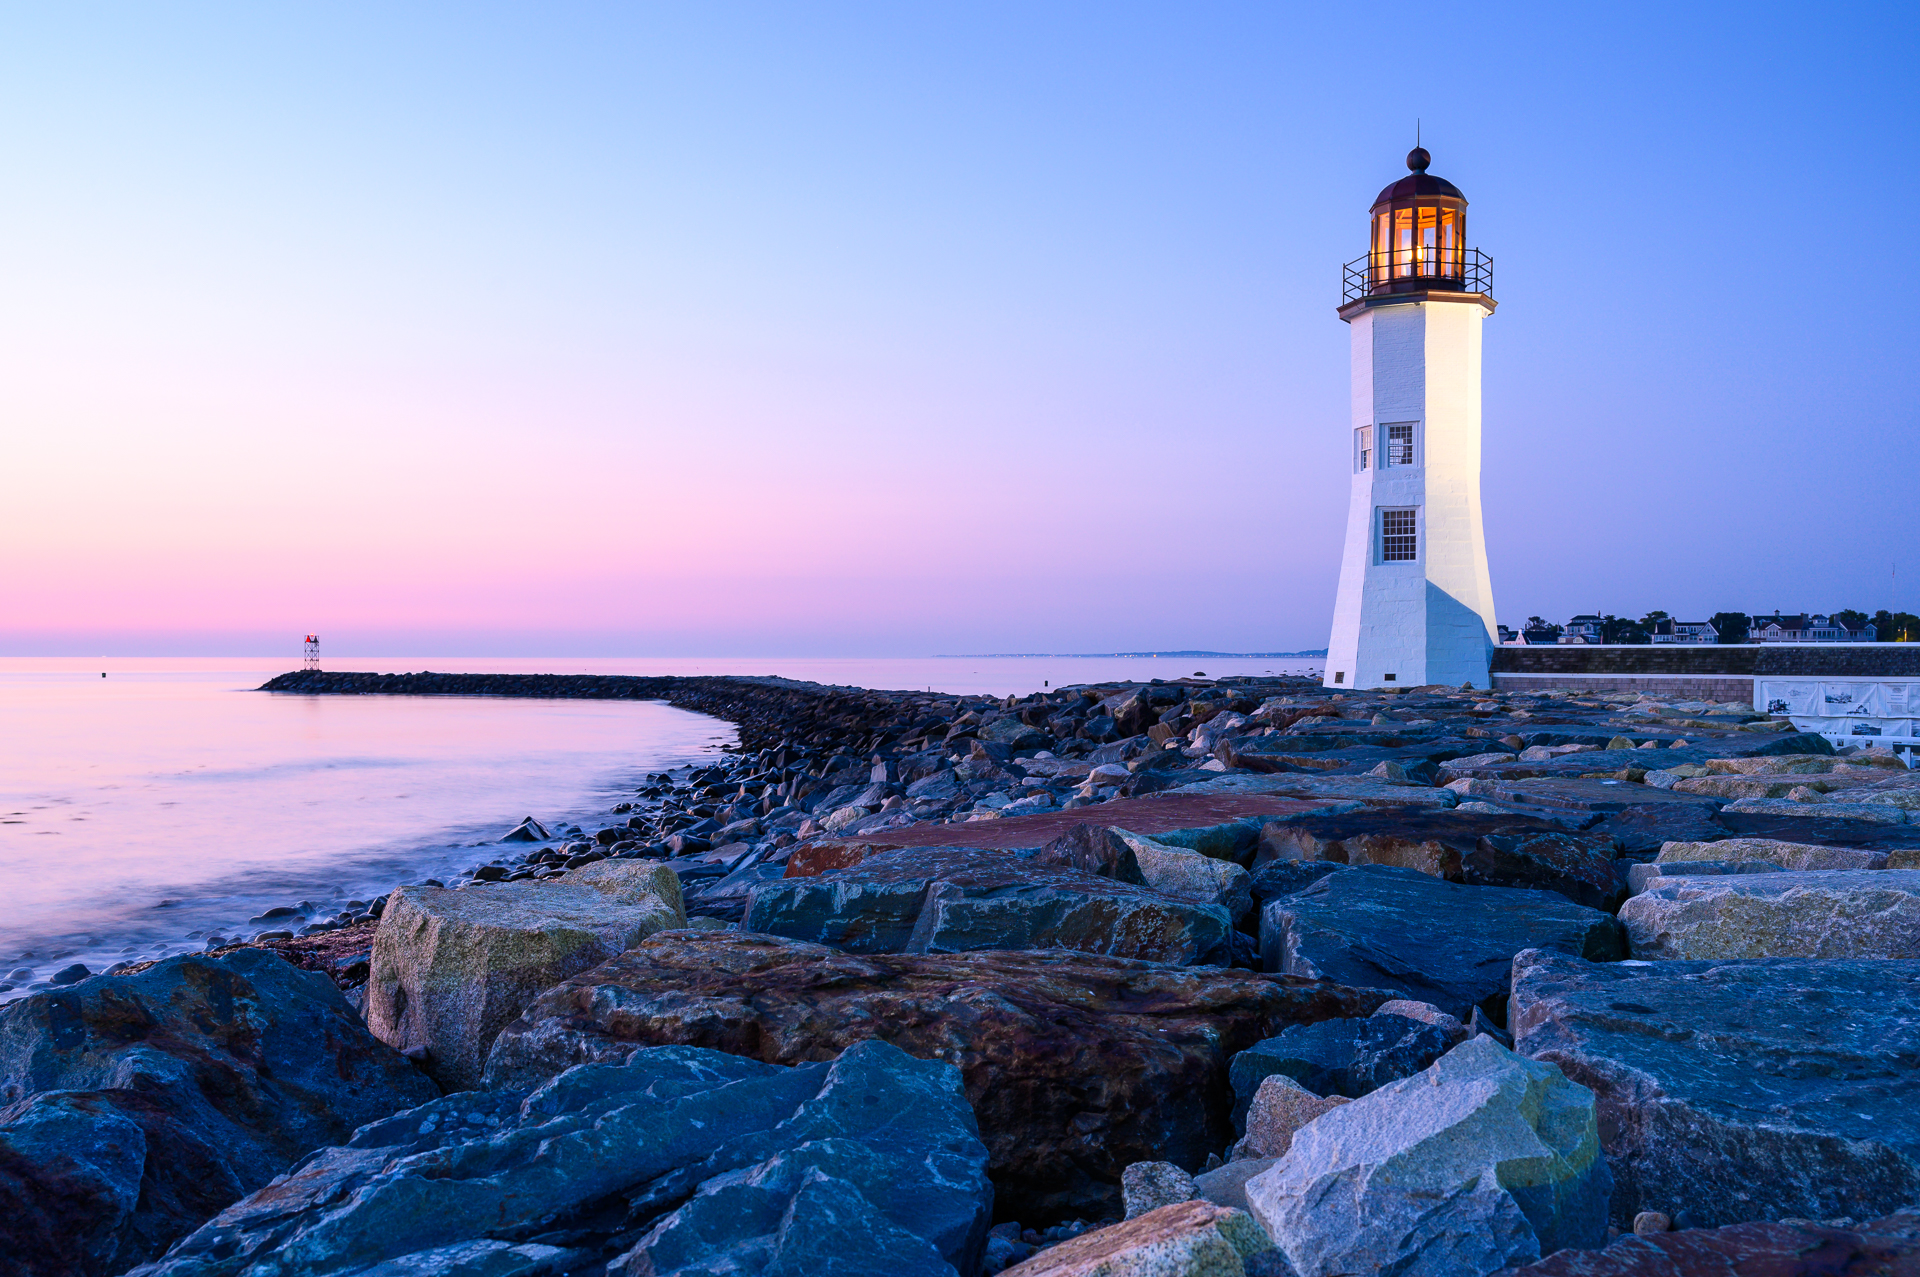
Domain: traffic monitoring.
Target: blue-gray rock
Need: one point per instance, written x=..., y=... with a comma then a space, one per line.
x=1379, y=927
x=955, y=900
x=1483, y=1161
x=1770, y=1088
x=1284, y=877
x=1338, y=1057
x=1008, y=730
x=1640, y=877
x=679, y=1160
x=137, y=1106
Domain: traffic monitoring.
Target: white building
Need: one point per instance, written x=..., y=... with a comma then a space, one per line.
x=1684, y=632
x=1588, y=627
x=1415, y=603
x=1804, y=628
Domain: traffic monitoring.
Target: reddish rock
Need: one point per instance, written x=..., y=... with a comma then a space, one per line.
x=824, y=855
x=1887, y=1247
x=1154, y=815
x=1196, y=1237
x=1076, y=1065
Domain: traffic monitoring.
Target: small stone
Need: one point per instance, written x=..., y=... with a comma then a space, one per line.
x=1648, y=1223
x=71, y=975
x=1426, y=1013
x=1280, y=1108
x=1148, y=1186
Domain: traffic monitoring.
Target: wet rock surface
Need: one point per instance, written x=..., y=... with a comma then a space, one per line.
x=1077, y=1065
x=676, y=1160
x=137, y=1106
x=1733, y=1091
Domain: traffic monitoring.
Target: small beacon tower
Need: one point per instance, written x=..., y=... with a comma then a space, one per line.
x=1415, y=605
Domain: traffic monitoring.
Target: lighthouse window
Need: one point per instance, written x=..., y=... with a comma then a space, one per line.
x=1399, y=444
x=1363, y=446
x=1399, y=543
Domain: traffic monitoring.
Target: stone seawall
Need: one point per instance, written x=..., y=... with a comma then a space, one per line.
x=1710, y=660
x=1699, y=672
x=768, y=711
x=1688, y=688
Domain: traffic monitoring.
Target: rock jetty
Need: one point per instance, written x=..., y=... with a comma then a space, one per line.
x=1236, y=976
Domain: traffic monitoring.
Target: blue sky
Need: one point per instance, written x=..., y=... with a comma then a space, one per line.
x=884, y=329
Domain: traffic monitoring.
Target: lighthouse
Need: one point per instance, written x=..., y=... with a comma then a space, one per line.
x=1415, y=605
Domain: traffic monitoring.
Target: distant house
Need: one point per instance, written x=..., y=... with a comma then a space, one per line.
x=1684, y=632
x=1539, y=635
x=1584, y=629
x=1508, y=636
x=1804, y=627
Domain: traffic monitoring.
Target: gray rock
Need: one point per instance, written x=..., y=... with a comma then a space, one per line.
x=1093, y=849
x=1339, y=1057
x=1227, y=1185
x=1284, y=877
x=1189, y=875
x=1731, y=1091
x=1775, y=852
x=451, y=968
x=138, y=1106
x=942, y=786
x=679, y=1160
x=1440, y=942
x=1146, y=1186
x=1640, y=877
x=1484, y=1161
x=1014, y=734
x=1426, y=1013
x=1865, y=813
x=1641, y=829
x=1577, y=865
x=1831, y=913
x=954, y=900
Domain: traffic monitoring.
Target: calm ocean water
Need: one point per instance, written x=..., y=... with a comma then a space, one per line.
x=141, y=811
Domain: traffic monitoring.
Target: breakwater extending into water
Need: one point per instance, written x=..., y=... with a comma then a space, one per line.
x=767, y=710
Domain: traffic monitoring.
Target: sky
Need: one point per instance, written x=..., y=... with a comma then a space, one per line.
x=882, y=329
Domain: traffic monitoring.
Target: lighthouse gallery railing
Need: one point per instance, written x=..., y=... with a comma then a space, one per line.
x=1466, y=270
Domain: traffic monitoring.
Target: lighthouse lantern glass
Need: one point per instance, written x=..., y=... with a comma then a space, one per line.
x=1418, y=242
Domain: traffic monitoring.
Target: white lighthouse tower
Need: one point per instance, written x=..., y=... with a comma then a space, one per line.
x=1415, y=605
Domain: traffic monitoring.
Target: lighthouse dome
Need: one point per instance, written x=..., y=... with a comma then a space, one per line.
x=1419, y=184
x=1418, y=239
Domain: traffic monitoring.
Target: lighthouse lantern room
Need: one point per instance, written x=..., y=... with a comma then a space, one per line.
x=1415, y=605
